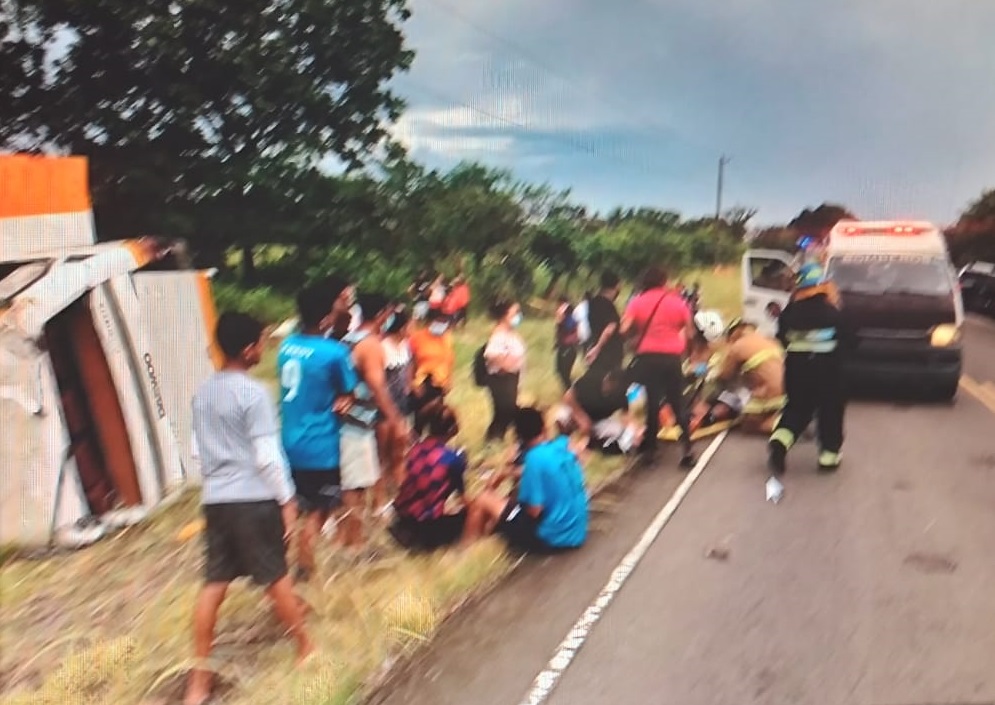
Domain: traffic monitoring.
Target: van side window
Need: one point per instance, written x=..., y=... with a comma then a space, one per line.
x=771, y=274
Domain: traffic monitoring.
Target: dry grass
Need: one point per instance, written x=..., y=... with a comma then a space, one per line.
x=111, y=623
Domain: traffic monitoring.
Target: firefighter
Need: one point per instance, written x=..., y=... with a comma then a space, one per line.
x=812, y=332
x=759, y=361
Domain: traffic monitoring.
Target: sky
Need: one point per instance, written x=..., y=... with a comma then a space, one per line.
x=886, y=106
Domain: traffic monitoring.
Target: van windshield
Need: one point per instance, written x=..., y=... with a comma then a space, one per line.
x=890, y=274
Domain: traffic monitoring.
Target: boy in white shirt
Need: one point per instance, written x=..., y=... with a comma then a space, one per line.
x=247, y=495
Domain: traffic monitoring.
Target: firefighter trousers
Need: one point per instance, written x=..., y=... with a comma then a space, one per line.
x=814, y=386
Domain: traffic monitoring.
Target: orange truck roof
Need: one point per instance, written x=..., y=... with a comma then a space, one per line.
x=33, y=185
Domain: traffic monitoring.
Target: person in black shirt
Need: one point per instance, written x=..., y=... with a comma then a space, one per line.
x=593, y=402
x=608, y=349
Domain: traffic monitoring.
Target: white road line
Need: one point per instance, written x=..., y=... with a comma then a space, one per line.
x=546, y=681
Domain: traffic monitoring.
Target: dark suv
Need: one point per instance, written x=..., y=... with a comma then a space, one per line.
x=977, y=283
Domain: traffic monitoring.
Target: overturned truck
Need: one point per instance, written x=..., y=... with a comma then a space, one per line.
x=101, y=348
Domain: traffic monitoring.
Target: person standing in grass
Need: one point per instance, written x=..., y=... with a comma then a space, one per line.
x=247, y=496
x=607, y=351
x=566, y=343
x=373, y=415
x=504, y=355
x=434, y=352
x=400, y=377
x=316, y=379
x=457, y=302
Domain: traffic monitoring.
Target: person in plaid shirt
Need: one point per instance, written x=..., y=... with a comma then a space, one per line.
x=435, y=473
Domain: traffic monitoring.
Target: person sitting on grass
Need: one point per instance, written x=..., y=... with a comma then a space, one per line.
x=247, y=495
x=549, y=514
x=434, y=474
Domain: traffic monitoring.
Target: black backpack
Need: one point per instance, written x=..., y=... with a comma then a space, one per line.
x=481, y=376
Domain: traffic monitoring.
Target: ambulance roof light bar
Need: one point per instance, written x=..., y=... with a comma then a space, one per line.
x=884, y=229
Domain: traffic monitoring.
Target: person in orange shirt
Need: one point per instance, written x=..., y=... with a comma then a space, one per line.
x=433, y=355
x=457, y=302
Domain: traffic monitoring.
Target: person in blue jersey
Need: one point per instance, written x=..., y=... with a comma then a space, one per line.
x=317, y=380
x=550, y=510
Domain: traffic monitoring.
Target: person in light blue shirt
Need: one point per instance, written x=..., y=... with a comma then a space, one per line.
x=550, y=512
x=317, y=379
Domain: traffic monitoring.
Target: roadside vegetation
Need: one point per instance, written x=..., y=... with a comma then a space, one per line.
x=242, y=183
x=111, y=623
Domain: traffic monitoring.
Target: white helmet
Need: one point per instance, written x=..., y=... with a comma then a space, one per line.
x=710, y=324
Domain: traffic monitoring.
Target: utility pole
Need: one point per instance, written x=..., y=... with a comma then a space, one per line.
x=723, y=160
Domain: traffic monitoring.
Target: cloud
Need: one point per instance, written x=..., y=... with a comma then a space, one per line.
x=883, y=105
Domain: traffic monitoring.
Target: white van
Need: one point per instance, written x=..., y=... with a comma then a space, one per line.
x=899, y=292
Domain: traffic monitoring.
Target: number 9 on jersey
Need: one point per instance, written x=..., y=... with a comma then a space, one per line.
x=290, y=379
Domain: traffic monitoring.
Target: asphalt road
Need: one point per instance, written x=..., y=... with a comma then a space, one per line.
x=873, y=586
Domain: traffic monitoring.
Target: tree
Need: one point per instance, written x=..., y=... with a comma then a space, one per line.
x=182, y=105
x=973, y=237
x=474, y=209
x=819, y=221
x=556, y=245
x=777, y=237
x=737, y=221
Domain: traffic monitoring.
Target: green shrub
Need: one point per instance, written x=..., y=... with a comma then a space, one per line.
x=370, y=271
x=265, y=303
x=505, y=273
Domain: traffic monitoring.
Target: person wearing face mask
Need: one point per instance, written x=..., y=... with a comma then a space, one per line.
x=434, y=353
x=505, y=359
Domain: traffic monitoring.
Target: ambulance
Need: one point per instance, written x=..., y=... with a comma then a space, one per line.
x=899, y=292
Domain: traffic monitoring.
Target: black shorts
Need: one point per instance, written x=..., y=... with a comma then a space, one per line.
x=244, y=539
x=521, y=531
x=317, y=490
x=431, y=534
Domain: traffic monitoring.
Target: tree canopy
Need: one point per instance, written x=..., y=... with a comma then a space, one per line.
x=188, y=109
x=973, y=236
x=217, y=120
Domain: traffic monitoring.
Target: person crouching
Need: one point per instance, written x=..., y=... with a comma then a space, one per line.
x=759, y=362
x=434, y=474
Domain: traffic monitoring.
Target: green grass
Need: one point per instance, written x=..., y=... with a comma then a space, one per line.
x=720, y=290
x=111, y=623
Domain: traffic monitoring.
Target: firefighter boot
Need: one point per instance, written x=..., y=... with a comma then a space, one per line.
x=829, y=461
